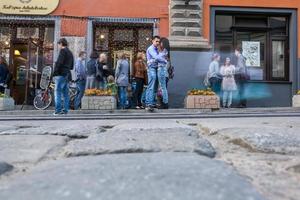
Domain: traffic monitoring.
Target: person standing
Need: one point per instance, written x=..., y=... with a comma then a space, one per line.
x=80, y=71
x=153, y=57
x=139, y=73
x=61, y=74
x=92, y=65
x=103, y=71
x=241, y=77
x=4, y=73
x=214, y=76
x=162, y=75
x=122, y=79
x=228, y=82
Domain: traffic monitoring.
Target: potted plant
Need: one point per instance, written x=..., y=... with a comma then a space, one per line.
x=296, y=99
x=6, y=102
x=99, y=99
x=202, y=98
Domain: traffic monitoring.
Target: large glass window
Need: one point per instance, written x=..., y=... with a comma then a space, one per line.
x=264, y=40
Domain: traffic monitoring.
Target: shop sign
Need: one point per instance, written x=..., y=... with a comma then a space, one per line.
x=28, y=7
x=251, y=51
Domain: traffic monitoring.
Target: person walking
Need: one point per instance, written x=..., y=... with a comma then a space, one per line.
x=122, y=79
x=80, y=71
x=153, y=57
x=61, y=74
x=241, y=77
x=139, y=73
x=92, y=65
x=228, y=82
x=214, y=76
x=4, y=73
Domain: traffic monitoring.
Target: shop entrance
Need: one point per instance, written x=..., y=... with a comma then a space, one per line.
x=28, y=48
x=25, y=72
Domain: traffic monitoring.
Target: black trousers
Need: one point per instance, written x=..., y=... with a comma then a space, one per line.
x=139, y=91
x=241, y=84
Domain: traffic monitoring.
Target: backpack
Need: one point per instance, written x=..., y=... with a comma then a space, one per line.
x=171, y=71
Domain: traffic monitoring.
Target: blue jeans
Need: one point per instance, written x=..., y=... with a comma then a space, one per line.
x=80, y=92
x=161, y=74
x=122, y=96
x=61, y=89
x=151, y=89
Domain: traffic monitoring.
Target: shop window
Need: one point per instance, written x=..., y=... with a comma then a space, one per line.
x=27, y=32
x=278, y=62
x=5, y=35
x=123, y=35
x=144, y=39
x=278, y=25
x=264, y=40
x=101, y=39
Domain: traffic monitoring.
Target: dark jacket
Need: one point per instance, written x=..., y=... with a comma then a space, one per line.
x=91, y=67
x=3, y=73
x=64, y=63
x=106, y=72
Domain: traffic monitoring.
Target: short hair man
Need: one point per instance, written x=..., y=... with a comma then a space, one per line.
x=62, y=74
x=153, y=57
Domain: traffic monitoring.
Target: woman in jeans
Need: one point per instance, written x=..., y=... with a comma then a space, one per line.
x=122, y=79
x=228, y=82
x=139, y=73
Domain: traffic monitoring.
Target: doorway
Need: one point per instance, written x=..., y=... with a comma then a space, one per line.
x=25, y=71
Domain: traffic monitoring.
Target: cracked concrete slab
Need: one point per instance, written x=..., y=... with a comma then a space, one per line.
x=25, y=149
x=142, y=137
x=267, y=140
x=168, y=176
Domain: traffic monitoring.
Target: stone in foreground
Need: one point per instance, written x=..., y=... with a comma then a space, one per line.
x=28, y=149
x=168, y=176
x=142, y=137
x=4, y=167
x=267, y=140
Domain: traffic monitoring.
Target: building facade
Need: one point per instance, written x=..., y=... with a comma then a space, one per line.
x=267, y=31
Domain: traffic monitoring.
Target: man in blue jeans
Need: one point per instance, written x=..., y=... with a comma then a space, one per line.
x=62, y=75
x=153, y=58
x=80, y=71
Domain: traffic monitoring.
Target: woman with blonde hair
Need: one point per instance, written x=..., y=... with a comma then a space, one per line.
x=122, y=79
x=139, y=73
x=228, y=82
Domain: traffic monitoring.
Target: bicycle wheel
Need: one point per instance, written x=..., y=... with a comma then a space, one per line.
x=42, y=101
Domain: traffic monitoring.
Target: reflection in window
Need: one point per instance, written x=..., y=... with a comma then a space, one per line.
x=224, y=39
x=278, y=59
x=27, y=32
x=123, y=35
x=101, y=39
x=278, y=25
x=144, y=38
x=49, y=37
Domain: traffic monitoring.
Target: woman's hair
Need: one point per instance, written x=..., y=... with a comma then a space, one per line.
x=226, y=60
x=110, y=79
x=215, y=56
x=122, y=55
x=140, y=55
x=166, y=44
x=94, y=55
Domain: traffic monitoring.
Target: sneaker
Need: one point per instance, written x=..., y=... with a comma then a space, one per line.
x=149, y=108
x=56, y=113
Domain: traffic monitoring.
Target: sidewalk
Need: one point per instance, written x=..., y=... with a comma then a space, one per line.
x=29, y=111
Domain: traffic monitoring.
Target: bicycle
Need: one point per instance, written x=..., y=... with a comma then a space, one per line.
x=43, y=99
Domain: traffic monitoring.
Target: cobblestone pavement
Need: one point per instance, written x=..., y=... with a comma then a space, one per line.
x=211, y=159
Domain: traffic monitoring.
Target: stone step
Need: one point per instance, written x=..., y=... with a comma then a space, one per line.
x=186, y=20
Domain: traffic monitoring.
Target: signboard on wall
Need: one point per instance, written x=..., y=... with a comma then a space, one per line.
x=251, y=51
x=28, y=7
